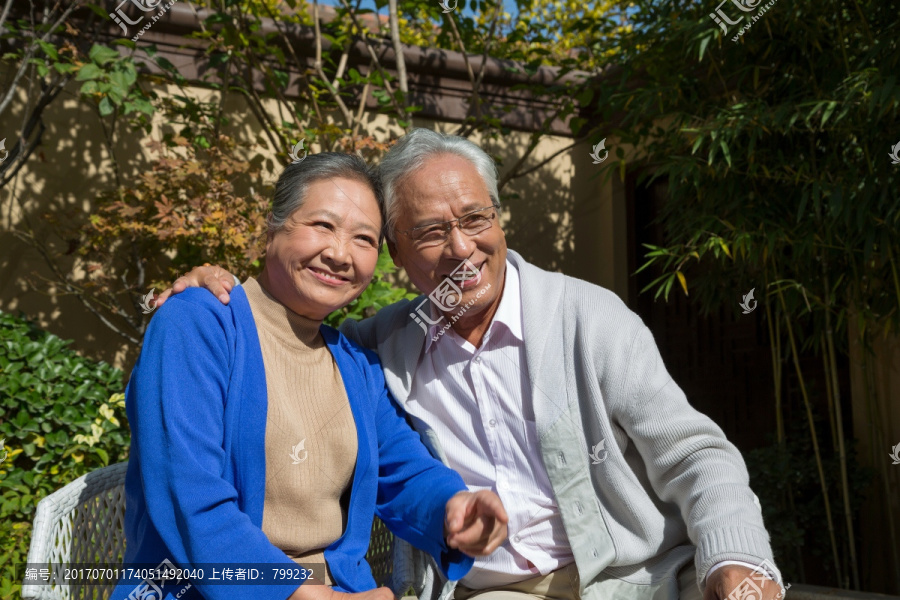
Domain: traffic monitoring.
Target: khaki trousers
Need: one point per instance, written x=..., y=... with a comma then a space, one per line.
x=563, y=584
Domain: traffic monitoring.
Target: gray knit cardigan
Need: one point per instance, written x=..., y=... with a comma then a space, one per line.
x=672, y=488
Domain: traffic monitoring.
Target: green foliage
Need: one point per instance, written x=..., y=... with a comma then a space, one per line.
x=775, y=148
x=774, y=144
x=796, y=529
x=379, y=294
x=109, y=80
x=61, y=416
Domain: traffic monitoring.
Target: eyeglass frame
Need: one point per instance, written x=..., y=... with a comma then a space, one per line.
x=455, y=223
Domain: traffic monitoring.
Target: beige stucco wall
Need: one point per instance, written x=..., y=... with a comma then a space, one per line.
x=562, y=217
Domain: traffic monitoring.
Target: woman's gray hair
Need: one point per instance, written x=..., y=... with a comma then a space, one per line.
x=410, y=153
x=294, y=182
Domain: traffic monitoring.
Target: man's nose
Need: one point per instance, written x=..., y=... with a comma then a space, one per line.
x=461, y=245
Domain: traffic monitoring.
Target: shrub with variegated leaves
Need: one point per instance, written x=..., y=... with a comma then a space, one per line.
x=61, y=416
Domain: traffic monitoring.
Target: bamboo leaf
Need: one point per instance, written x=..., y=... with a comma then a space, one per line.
x=725, y=151
x=683, y=281
x=831, y=106
x=725, y=248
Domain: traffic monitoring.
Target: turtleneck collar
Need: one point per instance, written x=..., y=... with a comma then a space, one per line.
x=297, y=331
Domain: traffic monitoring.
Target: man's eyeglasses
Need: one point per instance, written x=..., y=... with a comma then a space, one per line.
x=471, y=223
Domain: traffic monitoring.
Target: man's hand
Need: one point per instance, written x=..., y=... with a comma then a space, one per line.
x=730, y=579
x=475, y=522
x=216, y=279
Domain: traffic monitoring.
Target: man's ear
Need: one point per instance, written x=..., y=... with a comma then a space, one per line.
x=395, y=256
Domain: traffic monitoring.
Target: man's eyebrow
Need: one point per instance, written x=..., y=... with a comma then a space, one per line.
x=470, y=207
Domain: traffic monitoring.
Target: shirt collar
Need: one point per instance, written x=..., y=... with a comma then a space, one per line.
x=509, y=312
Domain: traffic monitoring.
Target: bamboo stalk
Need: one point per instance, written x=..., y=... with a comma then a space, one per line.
x=775, y=347
x=842, y=453
x=833, y=428
x=829, y=396
x=815, y=439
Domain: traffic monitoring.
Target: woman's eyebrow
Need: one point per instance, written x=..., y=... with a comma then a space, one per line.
x=367, y=226
x=324, y=212
x=357, y=225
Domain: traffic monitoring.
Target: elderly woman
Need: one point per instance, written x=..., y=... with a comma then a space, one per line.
x=262, y=436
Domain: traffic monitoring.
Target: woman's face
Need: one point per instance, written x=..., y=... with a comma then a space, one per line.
x=325, y=255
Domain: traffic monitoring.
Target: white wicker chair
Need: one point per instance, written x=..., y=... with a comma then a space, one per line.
x=81, y=523
x=84, y=523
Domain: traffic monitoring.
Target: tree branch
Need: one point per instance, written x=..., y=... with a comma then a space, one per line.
x=393, y=19
x=348, y=117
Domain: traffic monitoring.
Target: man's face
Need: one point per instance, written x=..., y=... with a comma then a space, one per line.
x=447, y=187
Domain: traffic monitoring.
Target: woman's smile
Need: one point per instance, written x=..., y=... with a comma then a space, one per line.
x=327, y=277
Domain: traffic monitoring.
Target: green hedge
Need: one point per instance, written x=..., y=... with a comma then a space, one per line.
x=61, y=416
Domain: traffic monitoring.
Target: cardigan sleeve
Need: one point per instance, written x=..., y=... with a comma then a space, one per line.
x=690, y=462
x=176, y=399
x=413, y=487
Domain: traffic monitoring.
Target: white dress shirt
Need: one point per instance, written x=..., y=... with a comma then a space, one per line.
x=478, y=402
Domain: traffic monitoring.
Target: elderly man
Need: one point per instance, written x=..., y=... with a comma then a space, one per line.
x=551, y=392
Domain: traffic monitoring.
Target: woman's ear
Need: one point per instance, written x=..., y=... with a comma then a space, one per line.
x=270, y=229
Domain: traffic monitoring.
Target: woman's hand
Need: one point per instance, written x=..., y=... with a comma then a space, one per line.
x=475, y=522
x=215, y=279
x=315, y=590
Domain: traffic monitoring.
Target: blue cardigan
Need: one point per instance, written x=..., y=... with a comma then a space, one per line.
x=195, y=485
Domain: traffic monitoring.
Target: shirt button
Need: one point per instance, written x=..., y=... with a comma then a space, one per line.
x=492, y=423
x=517, y=539
x=478, y=359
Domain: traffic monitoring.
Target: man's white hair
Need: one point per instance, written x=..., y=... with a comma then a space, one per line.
x=411, y=152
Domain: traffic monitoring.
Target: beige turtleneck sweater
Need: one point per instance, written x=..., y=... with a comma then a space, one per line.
x=311, y=440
